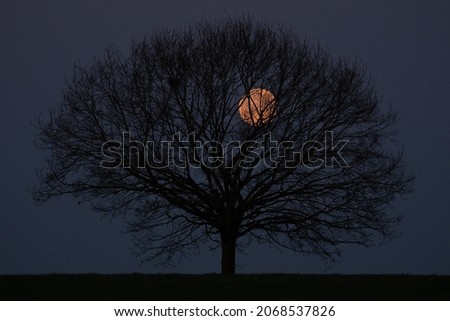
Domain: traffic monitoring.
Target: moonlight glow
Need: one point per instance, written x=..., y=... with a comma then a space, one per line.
x=257, y=107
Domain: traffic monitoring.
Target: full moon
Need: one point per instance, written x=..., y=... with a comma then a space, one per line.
x=257, y=107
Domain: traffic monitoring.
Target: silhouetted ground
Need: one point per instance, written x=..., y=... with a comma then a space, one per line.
x=218, y=287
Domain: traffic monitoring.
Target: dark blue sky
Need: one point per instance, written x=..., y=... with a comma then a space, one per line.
x=405, y=45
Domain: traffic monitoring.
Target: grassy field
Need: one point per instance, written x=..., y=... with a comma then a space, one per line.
x=219, y=287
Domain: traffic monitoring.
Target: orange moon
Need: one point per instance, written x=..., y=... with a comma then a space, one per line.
x=257, y=107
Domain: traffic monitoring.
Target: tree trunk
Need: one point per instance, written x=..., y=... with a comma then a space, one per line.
x=228, y=253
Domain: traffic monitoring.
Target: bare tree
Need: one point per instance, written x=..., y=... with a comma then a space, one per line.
x=172, y=137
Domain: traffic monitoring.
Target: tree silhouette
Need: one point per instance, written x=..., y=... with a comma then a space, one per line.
x=157, y=136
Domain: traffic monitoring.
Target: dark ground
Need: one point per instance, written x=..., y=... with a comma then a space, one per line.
x=170, y=287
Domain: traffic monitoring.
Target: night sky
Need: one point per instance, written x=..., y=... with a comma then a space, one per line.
x=405, y=44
